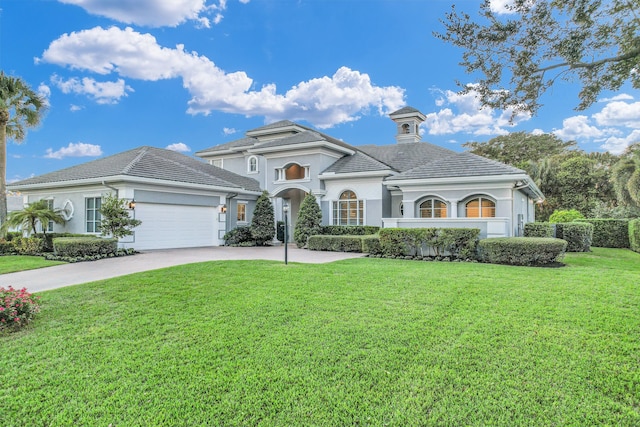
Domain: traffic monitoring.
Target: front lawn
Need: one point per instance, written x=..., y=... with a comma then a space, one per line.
x=357, y=342
x=13, y=263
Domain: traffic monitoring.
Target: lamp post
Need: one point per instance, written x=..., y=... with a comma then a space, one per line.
x=285, y=209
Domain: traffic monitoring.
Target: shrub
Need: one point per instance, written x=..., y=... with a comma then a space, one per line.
x=84, y=246
x=262, y=229
x=577, y=234
x=634, y=235
x=239, y=236
x=529, y=251
x=371, y=244
x=565, y=216
x=309, y=220
x=609, y=232
x=539, y=229
x=28, y=245
x=410, y=242
x=335, y=243
x=47, y=239
x=17, y=308
x=353, y=230
x=459, y=242
x=7, y=247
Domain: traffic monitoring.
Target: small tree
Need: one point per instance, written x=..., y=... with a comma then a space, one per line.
x=33, y=214
x=116, y=221
x=263, y=222
x=309, y=220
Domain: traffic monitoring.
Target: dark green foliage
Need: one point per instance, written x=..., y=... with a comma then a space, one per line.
x=7, y=247
x=458, y=243
x=634, y=235
x=539, y=229
x=530, y=251
x=609, y=233
x=569, y=215
x=262, y=223
x=371, y=244
x=47, y=239
x=28, y=245
x=309, y=220
x=84, y=246
x=577, y=234
x=239, y=236
x=116, y=219
x=335, y=243
x=353, y=230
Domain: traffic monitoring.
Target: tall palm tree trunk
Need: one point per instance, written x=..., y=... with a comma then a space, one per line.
x=4, y=119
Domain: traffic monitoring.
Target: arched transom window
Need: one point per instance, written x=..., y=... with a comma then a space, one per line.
x=252, y=164
x=480, y=207
x=292, y=172
x=433, y=208
x=348, y=210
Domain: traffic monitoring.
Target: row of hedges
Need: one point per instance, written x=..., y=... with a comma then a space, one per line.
x=33, y=245
x=84, y=246
x=578, y=235
x=527, y=251
x=335, y=243
x=351, y=230
x=634, y=235
x=609, y=232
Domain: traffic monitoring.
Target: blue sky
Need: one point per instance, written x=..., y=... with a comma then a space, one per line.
x=190, y=74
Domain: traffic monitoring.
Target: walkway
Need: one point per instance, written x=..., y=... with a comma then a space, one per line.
x=72, y=274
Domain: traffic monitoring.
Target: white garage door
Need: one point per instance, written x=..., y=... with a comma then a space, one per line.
x=174, y=226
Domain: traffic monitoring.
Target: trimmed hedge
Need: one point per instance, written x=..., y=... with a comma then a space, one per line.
x=609, y=232
x=577, y=234
x=239, y=236
x=527, y=251
x=335, y=243
x=457, y=243
x=47, y=239
x=28, y=245
x=352, y=230
x=371, y=244
x=7, y=247
x=634, y=235
x=84, y=246
x=539, y=229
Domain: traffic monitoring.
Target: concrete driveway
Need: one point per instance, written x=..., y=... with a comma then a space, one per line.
x=82, y=272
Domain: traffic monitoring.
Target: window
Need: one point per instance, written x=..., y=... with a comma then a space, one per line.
x=93, y=216
x=292, y=172
x=433, y=208
x=252, y=164
x=348, y=210
x=242, y=212
x=49, y=223
x=216, y=163
x=405, y=128
x=480, y=207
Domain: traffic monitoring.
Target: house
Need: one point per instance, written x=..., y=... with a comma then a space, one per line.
x=183, y=201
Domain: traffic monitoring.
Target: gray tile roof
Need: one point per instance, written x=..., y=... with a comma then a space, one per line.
x=458, y=165
x=238, y=143
x=358, y=162
x=405, y=110
x=402, y=157
x=276, y=125
x=151, y=163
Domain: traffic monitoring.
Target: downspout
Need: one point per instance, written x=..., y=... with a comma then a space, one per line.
x=110, y=187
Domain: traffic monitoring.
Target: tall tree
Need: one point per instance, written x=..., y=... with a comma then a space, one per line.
x=20, y=108
x=522, y=54
x=517, y=148
x=263, y=221
x=626, y=177
x=309, y=220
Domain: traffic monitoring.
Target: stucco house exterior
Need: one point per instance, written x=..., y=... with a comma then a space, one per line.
x=183, y=201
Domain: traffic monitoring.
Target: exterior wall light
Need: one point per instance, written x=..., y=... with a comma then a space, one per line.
x=132, y=204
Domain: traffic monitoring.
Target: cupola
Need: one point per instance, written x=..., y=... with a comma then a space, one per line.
x=408, y=120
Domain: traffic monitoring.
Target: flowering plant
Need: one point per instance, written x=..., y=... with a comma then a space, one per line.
x=17, y=308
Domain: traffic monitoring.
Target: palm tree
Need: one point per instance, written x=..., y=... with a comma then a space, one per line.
x=34, y=213
x=20, y=108
x=626, y=177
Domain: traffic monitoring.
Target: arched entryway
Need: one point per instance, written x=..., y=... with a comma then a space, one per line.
x=292, y=197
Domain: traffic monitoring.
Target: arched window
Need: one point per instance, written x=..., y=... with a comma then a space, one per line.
x=480, y=207
x=252, y=164
x=405, y=128
x=348, y=210
x=433, y=208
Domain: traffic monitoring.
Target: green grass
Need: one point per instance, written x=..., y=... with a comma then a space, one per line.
x=358, y=342
x=13, y=263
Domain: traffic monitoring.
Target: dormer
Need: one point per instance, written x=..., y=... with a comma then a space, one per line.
x=408, y=120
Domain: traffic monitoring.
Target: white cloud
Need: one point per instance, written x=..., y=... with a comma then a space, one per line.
x=618, y=113
x=501, y=6
x=101, y=92
x=578, y=127
x=621, y=97
x=464, y=113
x=324, y=101
x=180, y=147
x=617, y=145
x=45, y=92
x=79, y=149
x=75, y=108
x=229, y=131
x=153, y=13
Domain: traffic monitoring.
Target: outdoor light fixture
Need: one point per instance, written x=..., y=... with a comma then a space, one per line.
x=132, y=204
x=285, y=209
x=223, y=209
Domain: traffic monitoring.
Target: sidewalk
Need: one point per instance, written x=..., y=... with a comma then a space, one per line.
x=82, y=272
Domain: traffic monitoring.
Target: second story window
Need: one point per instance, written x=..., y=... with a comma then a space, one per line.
x=252, y=164
x=292, y=172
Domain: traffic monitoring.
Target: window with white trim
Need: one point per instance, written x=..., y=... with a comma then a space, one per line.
x=348, y=210
x=217, y=163
x=433, y=208
x=292, y=172
x=252, y=164
x=49, y=223
x=242, y=212
x=480, y=207
x=92, y=214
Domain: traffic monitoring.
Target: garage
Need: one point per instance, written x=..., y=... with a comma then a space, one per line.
x=173, y=226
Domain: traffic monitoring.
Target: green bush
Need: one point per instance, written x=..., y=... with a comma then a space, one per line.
x=352, y=230
x=539, y=229
x=262, y=228
x=84, y=246
x=17, y=308
x=7, y=247
x=309, y=220
x=634, y=235
x=459, y=243
x=609, y=232
x=28, y=245
x=47, y=239
x=239, y=236
x=335, y=243
x=528, y=251
x=577, y=234
x=371, y=244
x=565, y=216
